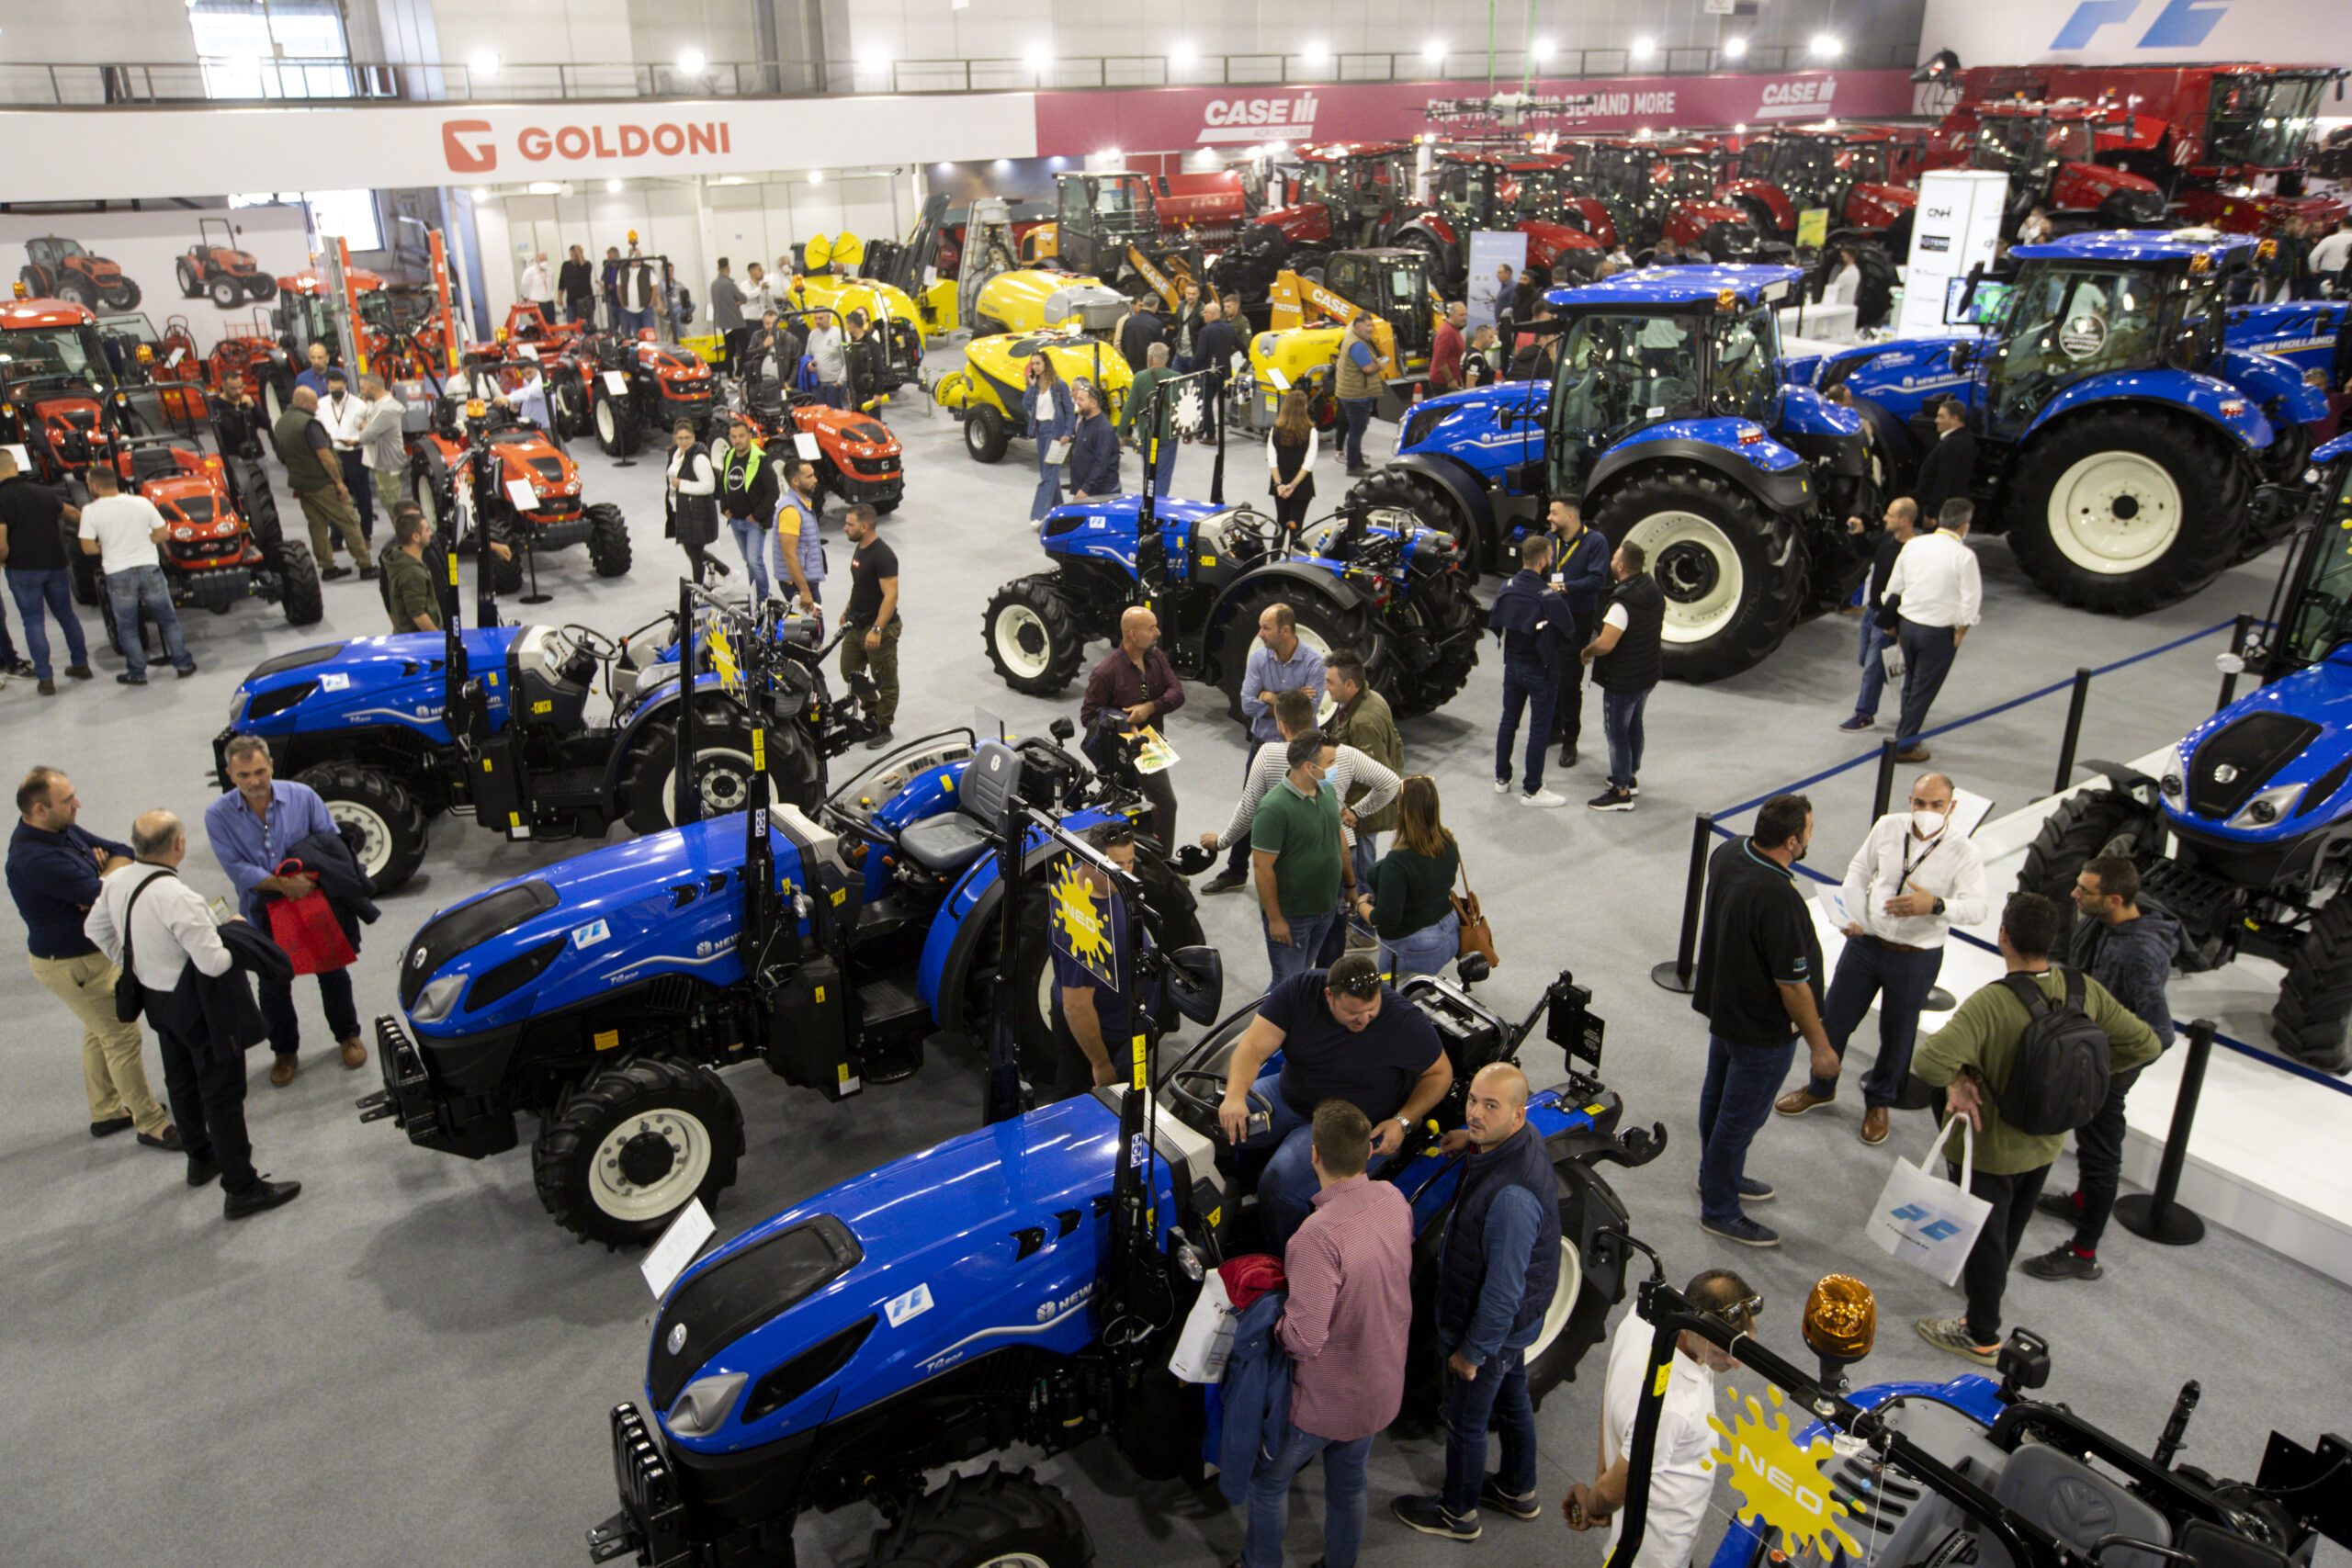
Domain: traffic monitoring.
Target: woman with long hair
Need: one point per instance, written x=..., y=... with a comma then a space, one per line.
x=1410, y=909
x=1046, y=404
x=693, y=497
x=1291, y=451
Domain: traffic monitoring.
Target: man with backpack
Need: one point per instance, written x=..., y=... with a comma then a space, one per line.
x=2024, y=1074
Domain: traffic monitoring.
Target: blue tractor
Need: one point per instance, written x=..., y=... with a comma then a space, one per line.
x=2246, y=836
x=1023, y=1286
x=1969, y=1471
x=1666, y=411
x=1369, y=577
x=605, y=994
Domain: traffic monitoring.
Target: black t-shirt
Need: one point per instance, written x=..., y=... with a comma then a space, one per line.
x=868, y=565
x=33, y=515
x=1883, y=565
x=1756, y=936
x=1323, y=1059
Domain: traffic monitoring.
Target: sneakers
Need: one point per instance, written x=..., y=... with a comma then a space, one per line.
x=367, y=574
x=1492, y=1495
x=2062, y=1262
x=261, y=1197
x=879, y=739
x=127, y=679
x=1952, y=1334
x=1743, y=1230
x=1750, y=1190
x=1223, y=882
x=1543, y=800
x=1612, y=800
x=1503, y=786
x=1427, y=1516
x=329, y=573
x=17, y=666
x=2067, y=1206
x=282, y=1070
x=1800, y=1100
x=1857, y=724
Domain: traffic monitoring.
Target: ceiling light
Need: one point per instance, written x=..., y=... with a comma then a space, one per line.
x=483, y=64
x=877, y=63
x=483, y=196
x=1183, y=57
x=1826, y=47
x=547, y=188
x=816, y=176
x=1038, y=58
x=1434, y=50
x=1317, y=52
x=612, y=187
x=692, y=62
x=1644, y=47
x=1734, y=48
x=1541, y=50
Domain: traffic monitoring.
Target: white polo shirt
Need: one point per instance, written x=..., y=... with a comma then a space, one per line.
x=124, y=526
x=1682, y=1476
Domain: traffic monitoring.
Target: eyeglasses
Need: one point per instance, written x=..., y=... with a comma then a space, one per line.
x=1739, y=1314
x=1111, y=835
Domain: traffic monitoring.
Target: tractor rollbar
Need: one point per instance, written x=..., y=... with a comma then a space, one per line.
x=1151, y=552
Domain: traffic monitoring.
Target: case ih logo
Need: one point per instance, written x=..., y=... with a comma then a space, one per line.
x=1258, y=119
x=471, y=146
x=1798, y=98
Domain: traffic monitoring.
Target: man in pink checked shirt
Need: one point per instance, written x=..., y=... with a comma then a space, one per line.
x=1350, y=1268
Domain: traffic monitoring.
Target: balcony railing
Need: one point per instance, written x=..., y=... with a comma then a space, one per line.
x=244, y=81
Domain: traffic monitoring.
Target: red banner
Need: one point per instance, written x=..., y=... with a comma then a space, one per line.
x=1160, y=119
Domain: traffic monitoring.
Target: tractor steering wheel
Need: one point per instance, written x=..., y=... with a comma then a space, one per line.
x=594, y=644
x=1200, y=1112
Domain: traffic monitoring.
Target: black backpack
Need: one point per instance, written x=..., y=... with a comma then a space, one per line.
x=2059, y=1080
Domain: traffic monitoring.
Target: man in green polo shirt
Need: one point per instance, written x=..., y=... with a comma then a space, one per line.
x=1296, y=854
x=409, y=597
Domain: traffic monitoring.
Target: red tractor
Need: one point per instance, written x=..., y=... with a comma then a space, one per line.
x=1477, y=190
x=1844, y=170
x=1344, y=196
x=165, y=363
x=1655, y=191
x=215, y=266
x=1207, y=209
x=481, y=456
x=58, y=269
x=2049, y=151
x=857, y=459
x=633, y=386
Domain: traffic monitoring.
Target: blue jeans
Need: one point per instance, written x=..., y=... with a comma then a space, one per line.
x=1734, y=1101
x=1927, y=658
x=1621, y=717
x=1874, y=643
x=1287, y=1188
x=1497, y=1397
x=1525, y=685
x=1363, y=857
x=127, y=592
x=752, y=541
x=1357, y=413
x=33, y=591
x=1305, y=946
x=1049, y=482
x=1901, y=982
x=1238, y=862
x=636, y=321
x=1424, y=952
x=1343, y=1499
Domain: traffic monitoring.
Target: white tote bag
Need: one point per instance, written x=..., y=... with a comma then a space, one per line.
x=1923, y=1219
x=1200, y=1350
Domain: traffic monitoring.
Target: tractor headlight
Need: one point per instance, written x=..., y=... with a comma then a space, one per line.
x=433, y=1002
x=2268, y=807
x=702, y=1409
x=2173, y=784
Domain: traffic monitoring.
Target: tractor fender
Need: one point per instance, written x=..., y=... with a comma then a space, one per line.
x=1596, y=218
x=2231, y=412
x=1770, y=198
x=1473, y=507
x=662, y=705
x=1785, y=489
x=2268, y=379
x=2124, y=777
x=964, y=931
x=1892, y=436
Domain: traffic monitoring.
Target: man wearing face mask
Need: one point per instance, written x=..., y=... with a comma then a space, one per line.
x=1914, y=878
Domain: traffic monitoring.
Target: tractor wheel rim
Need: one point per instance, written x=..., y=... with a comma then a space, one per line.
x=1312, y=639
x=639, y=1145
x=1699, y=568
x=2115, y=513
x=723, y=775
x=606, y=429
x=375, y=834
x=1022, y=641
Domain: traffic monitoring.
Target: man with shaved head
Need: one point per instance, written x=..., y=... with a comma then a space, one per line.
x=1135, y=686
x=1915, y=877
x=1498, y=1266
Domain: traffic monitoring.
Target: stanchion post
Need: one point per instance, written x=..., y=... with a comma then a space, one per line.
x=2238, y=634
x=2159, y=1215
x=2073, y=731
x=1885, y=799
x=1675, y=974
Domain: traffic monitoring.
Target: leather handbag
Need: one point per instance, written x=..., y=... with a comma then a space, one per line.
x=1476, y=935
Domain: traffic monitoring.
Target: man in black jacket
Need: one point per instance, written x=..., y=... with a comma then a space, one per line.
x=1538, y=631
x=1138, y=332
x=1095, y=450
x=1627, y=657
x=577, y=286
x=1900, y=518
x=1950, y=463
x=1215, y=346
x=1580, y=574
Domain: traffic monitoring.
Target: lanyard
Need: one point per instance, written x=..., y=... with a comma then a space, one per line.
x=1933, y=844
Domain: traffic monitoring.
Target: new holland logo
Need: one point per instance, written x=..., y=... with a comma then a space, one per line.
x=1912, y=1214
x=2179, y=24
x=1287, y=119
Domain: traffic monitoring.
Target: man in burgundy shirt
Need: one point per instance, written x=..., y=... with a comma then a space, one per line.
x=1446, y=359
x=1133, y=686
x=1350, y=1269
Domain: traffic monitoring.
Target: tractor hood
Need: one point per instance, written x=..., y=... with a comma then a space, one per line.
x=1108, y=528
x=1556, y=245
x=666, y=903
x=1299, y=225
x=1878, y=205
x=1497, y=421
x=992, y=1240
x=2271, y=767
x=367, y=682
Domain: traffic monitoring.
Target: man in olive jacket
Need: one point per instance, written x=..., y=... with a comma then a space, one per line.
x=1973, y=1055
x=1362, y=720
x=315, y=476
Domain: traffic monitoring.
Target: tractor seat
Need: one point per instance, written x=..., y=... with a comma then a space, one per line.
x=152, y=463
x=944, y=845
x=2079, y=1506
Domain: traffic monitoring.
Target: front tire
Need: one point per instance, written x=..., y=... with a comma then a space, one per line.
x=374, y=808
x=988, y=1520
x=1033, y=638
x=608, y=548
x=616, y=427
x=2123, y=511
x=984, y=434
x=1445, y=625
x=722, y=769
x=2315, y=999
x=633, y=1146
x=506, y=576
x=1732, y=588
x=225, y=292
x=191, y=286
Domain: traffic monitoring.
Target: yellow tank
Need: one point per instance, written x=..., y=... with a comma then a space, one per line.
x=822, y=289
x=1031, y=299
x=986, y=395
x=1295, y=356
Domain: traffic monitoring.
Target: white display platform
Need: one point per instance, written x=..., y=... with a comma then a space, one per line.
x=1822, y=323
x=2268, y=1155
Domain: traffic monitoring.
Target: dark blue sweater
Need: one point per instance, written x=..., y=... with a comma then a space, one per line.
x=55, y=881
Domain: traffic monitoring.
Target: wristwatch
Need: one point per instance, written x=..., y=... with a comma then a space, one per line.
x=1938, y=909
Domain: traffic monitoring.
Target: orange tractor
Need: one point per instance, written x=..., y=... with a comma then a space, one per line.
x=59, y=268
x=214, y=266
x=482, y=457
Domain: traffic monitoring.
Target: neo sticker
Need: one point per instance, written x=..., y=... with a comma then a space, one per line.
x=592, y=934
x=914, y=1304
x=2083, y=336
x=335, y=682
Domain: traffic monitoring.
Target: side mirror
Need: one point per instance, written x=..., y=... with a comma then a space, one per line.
x=2024, y=1363
x=1194, y=979
x=1062, y=728
x=1471, y=968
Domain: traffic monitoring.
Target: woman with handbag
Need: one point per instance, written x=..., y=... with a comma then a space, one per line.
x=1291, y=452
x=1052, y=420
x=1411, y=908
x=693, y=495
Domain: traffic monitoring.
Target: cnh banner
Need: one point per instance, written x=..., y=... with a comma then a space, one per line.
x=2139, y=32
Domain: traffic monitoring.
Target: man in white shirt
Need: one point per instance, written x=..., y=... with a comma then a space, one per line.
x=343, y=412
x=529, y=399
x=2329, y=255
x=824, y=347
x=146, y=913
x=1943, y=596
x=538, y=287
x=1682, y=1476
x=122, y=531
x=1915, y=877
x=383, y=447
x=1846, y=282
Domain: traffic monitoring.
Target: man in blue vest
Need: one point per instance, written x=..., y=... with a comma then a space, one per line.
x=1498, y=1266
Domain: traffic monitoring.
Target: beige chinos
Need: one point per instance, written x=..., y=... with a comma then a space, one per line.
x=111, y=1070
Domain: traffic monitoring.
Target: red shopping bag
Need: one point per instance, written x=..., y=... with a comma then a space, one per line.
x=306, y=928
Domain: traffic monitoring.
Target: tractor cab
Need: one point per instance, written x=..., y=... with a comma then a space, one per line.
x=1097, y=217
x=2262, y=121
x=1655, y=191
x=1391, y=283
x=1359, y=183
x=1469, y=190
x=303, y=315
x=57, y=386
x=2048, y=152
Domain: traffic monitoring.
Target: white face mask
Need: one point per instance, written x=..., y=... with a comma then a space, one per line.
x=1927, y=824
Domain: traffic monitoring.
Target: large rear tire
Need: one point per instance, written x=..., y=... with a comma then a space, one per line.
x=1320, y=626
x=1733, y=589
x=988, y=1520
x=1032, y=633
x=2124, y=512
x=299, y=592
x=2087, y=824
x=608, y=549
x=1445, y=628
x=2310, y=1023
x=722, y=768
x=633, y=1146
x=505, y=574
x=375, y=808
x=615, y=424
